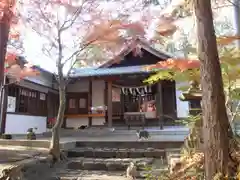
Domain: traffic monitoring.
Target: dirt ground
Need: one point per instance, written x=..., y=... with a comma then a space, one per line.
x=14, y=154
x=67, y=174
x=91, y=175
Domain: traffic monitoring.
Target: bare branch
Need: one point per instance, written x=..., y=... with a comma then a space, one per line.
x=47, y=51
x=43, y=15
x=73, y=19
x=77, y=52
x=232, y=3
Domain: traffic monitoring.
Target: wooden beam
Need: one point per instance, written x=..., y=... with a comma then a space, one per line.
x=109, y=106
x=90, y=102
x=174, y=99
x=84, y=115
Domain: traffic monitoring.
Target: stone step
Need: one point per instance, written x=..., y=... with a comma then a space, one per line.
x=116, y=153
x=69, y=174
x=109, y=164
x=156, y=132
x=120, y=153
x=132, y=131
x=130, y=144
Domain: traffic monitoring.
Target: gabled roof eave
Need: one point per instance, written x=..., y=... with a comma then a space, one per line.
x=146, y=46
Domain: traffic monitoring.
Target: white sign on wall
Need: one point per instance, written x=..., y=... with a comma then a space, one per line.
x=11, y=104
x=42, y=96
x=116, y=93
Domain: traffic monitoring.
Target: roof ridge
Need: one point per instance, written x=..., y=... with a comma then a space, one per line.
x=145, y=45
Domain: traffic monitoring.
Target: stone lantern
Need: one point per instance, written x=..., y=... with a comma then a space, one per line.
x=194, y=96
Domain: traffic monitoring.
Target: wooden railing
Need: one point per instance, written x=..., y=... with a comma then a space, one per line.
x=84, y=115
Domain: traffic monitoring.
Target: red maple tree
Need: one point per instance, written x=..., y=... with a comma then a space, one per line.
x=10, y=65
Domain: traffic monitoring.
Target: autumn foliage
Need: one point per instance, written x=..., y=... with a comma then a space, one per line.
x=7, y=8
x=8, y=15
x=12, y=68
x=15, y=71
x=183, y=64
x=176, y=64
x=226, y=40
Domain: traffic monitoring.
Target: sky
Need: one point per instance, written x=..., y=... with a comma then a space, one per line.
x=33, y=43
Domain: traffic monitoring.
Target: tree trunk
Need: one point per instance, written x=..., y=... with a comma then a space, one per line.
x=55, y=142
x=4, y=32
x=215, y=121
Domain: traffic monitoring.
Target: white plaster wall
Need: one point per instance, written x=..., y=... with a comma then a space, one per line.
x=98, y=87
x=79, y=86
x=97, y=100
x=98, y=93
x=76, y=122
x=96, y=121
x=182, y=106
x=19, y=124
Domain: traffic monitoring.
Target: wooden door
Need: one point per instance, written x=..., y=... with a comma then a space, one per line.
x=77, y=103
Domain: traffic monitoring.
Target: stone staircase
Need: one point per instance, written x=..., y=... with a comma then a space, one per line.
x=105, y=131
x=109, y=157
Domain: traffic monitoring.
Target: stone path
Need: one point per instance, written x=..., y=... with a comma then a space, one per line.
x=110, y=137
x=10, y=155
x=98, y=134
x=77, y=174
x=15, y=155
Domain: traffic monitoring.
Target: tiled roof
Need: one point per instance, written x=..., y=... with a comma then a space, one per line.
x=109, y=71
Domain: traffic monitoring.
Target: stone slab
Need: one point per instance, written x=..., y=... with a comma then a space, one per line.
x=110, y=164
x=130, y=144
x=118, y=153
x=35, y=143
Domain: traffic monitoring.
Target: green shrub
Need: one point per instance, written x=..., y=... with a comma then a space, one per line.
x=31, y=136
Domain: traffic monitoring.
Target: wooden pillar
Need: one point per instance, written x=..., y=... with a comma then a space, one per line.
x=90, y=103
x=174, y=100
x=159, y=104
x=109, y=106
x=106, y=101
x=122, y=106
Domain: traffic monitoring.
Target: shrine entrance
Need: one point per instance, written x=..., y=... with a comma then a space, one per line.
x=143, y=104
